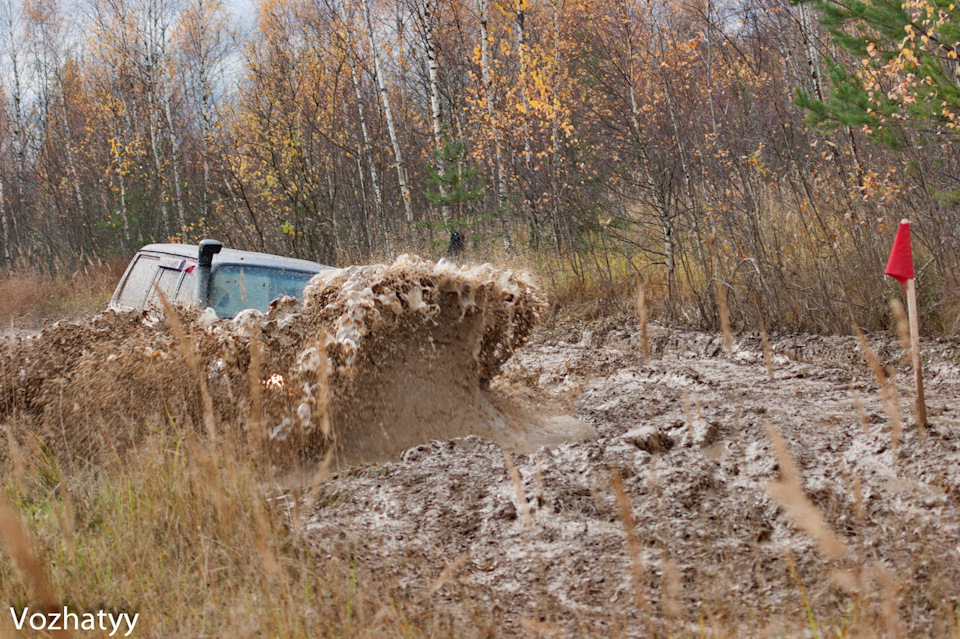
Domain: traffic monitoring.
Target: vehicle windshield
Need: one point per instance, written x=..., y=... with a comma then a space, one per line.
x=236, y=287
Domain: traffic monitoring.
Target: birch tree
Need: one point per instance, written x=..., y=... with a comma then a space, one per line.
x=388, y=114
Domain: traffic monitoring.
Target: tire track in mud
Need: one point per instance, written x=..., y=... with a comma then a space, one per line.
x=686, y=433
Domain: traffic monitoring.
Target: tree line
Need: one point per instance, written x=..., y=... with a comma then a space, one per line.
x=760, y=150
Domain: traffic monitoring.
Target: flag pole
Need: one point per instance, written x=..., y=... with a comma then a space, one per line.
x=921, y=406
x=915, y=355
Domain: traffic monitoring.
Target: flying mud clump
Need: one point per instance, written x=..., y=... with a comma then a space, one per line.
x=376, y=359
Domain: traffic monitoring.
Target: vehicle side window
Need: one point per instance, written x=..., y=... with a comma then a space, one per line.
x=167, y=282
x=139, y=281
x=235, y=287
x=188, y=286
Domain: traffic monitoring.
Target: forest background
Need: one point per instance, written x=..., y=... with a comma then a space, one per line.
x=754, y=153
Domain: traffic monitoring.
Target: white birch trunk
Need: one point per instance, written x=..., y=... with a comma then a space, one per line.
x=16, y=40
x=367, y=149
x=367, y=234
x=483, y=9
x=388, y=114
x=151, y=75
x=813, y=59
x=175, y=153
x=427, y=17
x=123, y=191
x=158, y=163
x=533, y=223
x=709, y=65
x=71, y=160
x=6, y=226
x=661, y=205
x=372, y=165
x=520, y=20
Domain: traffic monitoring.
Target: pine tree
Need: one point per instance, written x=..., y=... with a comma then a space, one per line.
x=902, y=72
x=459, y=183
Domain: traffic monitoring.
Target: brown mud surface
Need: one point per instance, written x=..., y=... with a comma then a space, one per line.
x=488, y=470
x=686, y=434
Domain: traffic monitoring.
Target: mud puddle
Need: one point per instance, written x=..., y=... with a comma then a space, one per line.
x=522, y=426
x=531, y=537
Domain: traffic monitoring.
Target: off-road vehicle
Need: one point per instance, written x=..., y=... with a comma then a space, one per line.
x=209, y=275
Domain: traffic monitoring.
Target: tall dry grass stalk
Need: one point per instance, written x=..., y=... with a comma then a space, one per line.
x=16, y=542
x=625, y=512
x=63, y=509
x=861, y=413
x=518, y=488
x=903, y=326
x=641, y=300
x=857, y=496
x=323, y=389
x=16, y=456
x=188, y=351
x=255, y=430
x=724, y=318
x=323, y=409
x=788, y=492
x=537, y=628
x=205, y=467
x=767, y=351
x=811, y=620
x=323, y=470
x=448, y=573
x=687, y=409
x=889, y=611
x=671, y=599
x=888, y=392
x=264, y=539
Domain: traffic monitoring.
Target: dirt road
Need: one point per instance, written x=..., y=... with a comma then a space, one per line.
x=610, y=496
x=544, y=548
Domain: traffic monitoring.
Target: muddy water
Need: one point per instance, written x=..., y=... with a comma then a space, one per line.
x=376, y=359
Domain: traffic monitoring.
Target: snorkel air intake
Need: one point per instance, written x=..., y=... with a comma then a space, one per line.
x=208, y=248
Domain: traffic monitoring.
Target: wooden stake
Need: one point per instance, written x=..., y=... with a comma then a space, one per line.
x=921, y=404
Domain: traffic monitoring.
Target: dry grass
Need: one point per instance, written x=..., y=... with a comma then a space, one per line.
x=634, y=549
x=30, y=297
x=186, y=524
x=724, y=318
x=192, y=541
x=799, y=509
x=641, y=307
x=888, y=391
x=767, y=352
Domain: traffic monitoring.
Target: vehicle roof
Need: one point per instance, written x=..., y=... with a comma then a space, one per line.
x=234, y=256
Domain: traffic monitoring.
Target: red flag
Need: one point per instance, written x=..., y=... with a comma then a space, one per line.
x=900, y=264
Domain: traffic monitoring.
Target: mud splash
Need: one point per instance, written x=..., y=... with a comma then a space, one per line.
x=376, y=359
